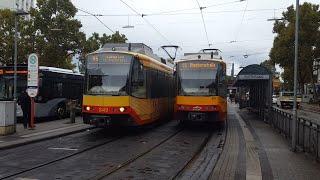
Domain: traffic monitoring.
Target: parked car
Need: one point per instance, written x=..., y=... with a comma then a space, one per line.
x=285, y=100
x=274, y=99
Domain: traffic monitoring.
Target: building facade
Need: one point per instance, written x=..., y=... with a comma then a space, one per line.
x=24, y=5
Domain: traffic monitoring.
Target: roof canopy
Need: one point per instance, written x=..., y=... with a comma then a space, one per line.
x=252, y=73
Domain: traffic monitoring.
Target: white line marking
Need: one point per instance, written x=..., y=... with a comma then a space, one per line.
x=65, y=149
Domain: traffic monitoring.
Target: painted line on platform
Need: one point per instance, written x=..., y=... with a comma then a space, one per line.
x=266, y=170
x=65, y=149
x=50, y=131
x=241, y=164
x=253, y=162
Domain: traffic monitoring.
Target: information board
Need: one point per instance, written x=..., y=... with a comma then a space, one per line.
x=33, y=75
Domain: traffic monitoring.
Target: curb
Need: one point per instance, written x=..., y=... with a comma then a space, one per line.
x=27, y=141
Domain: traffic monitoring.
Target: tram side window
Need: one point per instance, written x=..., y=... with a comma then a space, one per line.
x=222, y=86
x=158, y=84
x=138, y=80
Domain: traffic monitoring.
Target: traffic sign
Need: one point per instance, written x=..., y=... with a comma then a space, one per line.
x=33, y=75
x=32, y=92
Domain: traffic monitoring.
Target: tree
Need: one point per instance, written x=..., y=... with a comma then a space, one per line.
x=57, y=32
x=7, y=33
x=282, y=52
x=94, y=42
x=6, y=36
x=269, y=65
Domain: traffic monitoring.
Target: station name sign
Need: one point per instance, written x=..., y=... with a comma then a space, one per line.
x=253, y=77
x=198, y=66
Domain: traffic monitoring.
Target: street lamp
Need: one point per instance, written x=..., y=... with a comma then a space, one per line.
x=19, y=12
x=294, y=122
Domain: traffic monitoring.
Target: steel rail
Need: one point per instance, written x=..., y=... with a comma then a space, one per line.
x=63, y=158
x=128, y=162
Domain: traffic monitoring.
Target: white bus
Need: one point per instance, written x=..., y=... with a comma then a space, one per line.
x=56, y=87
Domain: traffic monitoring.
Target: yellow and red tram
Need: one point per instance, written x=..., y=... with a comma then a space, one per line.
x=201, y=87
x=126, y=84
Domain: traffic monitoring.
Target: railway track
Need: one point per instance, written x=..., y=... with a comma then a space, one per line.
x=178, y=147
x=61, y=158
x=146, y=164
x=88, y=150
x=130, y=161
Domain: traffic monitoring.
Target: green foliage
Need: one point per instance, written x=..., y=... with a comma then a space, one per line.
x=58, y=33
x=282, y=52
x=7, y=38
x=52, y=32
x=269, y=65
x=94, y=42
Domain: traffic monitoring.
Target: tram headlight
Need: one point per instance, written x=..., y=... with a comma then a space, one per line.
x=88, y=108
x=122, y=109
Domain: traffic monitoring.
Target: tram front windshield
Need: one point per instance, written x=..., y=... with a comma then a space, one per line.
x=197, y=78
x=108, y=73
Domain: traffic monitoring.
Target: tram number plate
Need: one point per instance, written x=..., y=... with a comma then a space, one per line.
x=103, y=109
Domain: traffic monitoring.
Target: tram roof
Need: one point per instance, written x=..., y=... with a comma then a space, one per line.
x=204, y=54
x=141, y=50
x=253, y=72
x=131, y=47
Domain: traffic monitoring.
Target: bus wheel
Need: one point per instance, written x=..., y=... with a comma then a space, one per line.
x=61, y=111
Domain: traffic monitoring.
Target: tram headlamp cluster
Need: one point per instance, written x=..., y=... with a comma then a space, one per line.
x=122, y=109
x=88, y=108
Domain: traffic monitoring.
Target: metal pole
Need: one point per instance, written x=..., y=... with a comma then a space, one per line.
x=15, y=66
x=32, y=113
x=294, y=122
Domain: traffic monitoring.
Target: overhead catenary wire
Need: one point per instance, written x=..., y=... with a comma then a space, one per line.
x=188, y=9
x=204, y=23
x=183, y=13
x=241, y=22
x=96, y=18
x=148, y=22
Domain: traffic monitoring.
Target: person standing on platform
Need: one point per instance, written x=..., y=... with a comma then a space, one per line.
x=25, y=103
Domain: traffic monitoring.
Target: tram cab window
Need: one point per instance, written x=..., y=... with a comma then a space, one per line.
x=138, y=80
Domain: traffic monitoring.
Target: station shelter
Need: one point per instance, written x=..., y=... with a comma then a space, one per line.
x=254, y=83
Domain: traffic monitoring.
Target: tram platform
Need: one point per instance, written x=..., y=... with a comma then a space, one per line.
x=254, y=150
x=42, y=131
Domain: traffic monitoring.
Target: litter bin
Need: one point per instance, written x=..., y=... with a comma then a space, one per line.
x=7, y=123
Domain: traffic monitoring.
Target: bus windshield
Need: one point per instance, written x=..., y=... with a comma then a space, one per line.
x=6, y=86
x=197, y=78
x=108, y=74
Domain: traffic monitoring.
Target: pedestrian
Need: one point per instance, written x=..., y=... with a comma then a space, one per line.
x=25, y=103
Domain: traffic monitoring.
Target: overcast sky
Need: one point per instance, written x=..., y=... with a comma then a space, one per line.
x=229, y=27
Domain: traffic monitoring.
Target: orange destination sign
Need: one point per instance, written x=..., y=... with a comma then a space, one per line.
x=198, y=66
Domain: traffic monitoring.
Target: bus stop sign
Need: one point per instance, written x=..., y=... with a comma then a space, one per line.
x=33, y=75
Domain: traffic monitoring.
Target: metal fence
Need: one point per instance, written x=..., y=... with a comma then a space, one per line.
x=307, y=133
